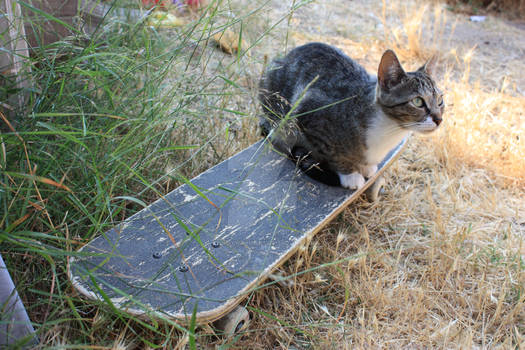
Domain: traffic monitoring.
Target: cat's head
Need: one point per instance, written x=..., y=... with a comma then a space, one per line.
x=411, y=98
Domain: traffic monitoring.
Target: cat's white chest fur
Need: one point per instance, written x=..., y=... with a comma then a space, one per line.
x=382, y=136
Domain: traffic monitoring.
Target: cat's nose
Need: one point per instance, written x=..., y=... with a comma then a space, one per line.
x=437, y=118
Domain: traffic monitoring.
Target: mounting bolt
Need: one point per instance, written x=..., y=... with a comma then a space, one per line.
x=215, y=244
x=157, y=255
x=183, y=268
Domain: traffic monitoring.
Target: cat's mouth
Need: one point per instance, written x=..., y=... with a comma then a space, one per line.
x=427, y=126
x=428, y=131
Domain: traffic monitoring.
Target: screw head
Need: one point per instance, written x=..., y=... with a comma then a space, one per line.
x=183, y=268
x=157, y=255
x=215, y=244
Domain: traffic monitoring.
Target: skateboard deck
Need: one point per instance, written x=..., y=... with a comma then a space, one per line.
x=207, y=244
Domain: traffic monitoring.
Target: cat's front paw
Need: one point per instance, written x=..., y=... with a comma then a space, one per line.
x=353, y=181
x=369, y=171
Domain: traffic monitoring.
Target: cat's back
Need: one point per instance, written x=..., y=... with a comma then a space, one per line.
x=322, y=57
x=333, y=70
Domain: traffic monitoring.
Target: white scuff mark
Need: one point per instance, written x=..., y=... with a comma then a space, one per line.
x=268, y=213
x=287, y=208
x=163, y=278
x=197, y=261
x=230, y=259
x=161, y=239
x=274, y=162
x=228, y=231
x=165, y=251
x=189, y=257
x=269, y=188
x=118, y=301
x=188, y=197
x=251, y=234
x=248, y=183
x=172, y=227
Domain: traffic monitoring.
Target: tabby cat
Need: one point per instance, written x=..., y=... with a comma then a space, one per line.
x=323, y=109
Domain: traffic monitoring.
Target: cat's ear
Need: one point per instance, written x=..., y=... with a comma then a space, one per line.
x=390, y=72
x=429, y=66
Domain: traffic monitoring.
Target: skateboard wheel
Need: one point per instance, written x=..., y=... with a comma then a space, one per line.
x=372, y=193
x=234, y=322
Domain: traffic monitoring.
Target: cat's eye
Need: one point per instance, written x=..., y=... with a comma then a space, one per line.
x=440, y=100
x=418, y=102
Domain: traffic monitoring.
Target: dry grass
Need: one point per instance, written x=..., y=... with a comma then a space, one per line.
x=487, y=123
x=487, y=130
x=438, y=262
x=413, y=29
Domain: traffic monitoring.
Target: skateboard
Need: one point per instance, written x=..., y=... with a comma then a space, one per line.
x=202, y=248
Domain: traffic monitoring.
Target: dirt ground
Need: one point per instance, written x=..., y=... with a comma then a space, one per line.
x=499, y=44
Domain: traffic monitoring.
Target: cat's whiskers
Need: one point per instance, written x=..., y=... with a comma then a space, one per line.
x=421, y=126
x=393, y=129
x=410, y=125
